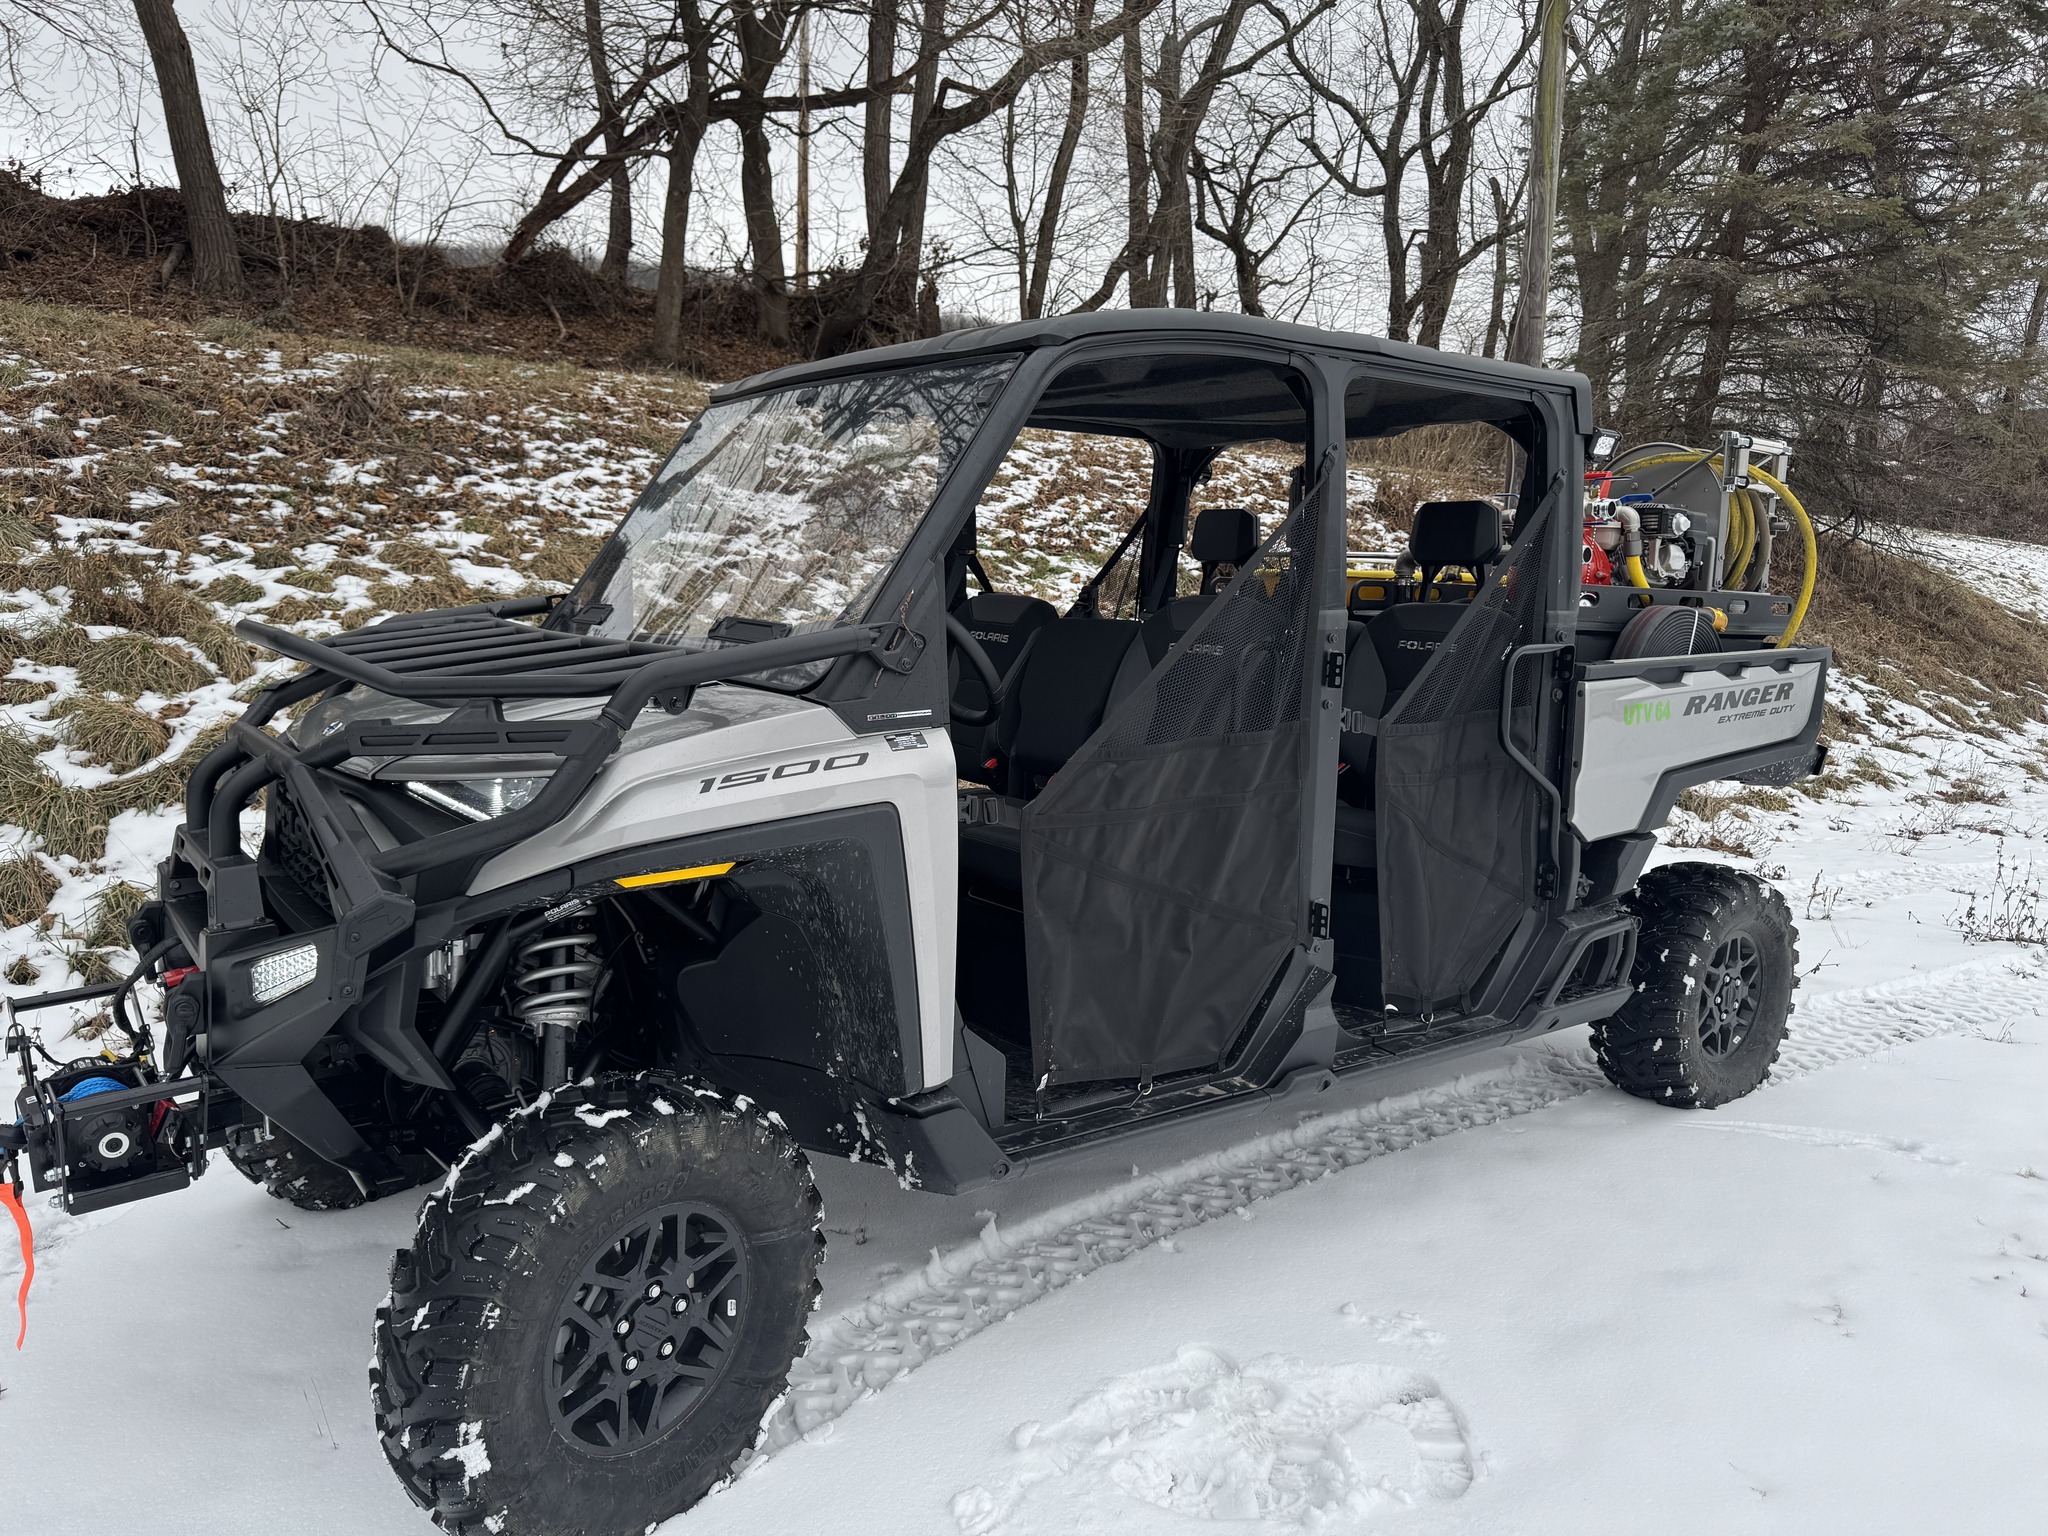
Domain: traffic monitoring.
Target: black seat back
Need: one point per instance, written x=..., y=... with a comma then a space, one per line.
x=1405, y=635
x=1449, y=533
x=1057, y=697
x=1223, y=540
x=1004, y=623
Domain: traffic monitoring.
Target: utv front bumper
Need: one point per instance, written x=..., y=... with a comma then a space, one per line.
x=255, y=980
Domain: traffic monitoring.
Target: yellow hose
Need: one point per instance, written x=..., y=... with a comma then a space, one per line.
x=1742, y=516
x=1755, y=530
x=1806, y=546
x=1636, y=578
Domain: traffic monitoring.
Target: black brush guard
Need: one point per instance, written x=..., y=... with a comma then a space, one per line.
x=247, y=1055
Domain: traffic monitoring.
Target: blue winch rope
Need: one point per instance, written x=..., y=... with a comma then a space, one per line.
x=88, y=1088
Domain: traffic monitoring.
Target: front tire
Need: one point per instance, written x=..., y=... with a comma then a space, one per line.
x=290, y=1170
x=1717, y=962
x=598, y=1310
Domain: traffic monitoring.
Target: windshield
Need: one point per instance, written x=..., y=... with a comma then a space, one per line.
x=783, y=512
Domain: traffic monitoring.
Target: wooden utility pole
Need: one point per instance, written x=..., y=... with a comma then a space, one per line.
x=803, y=152
x=216, y=259
x=1546, y=137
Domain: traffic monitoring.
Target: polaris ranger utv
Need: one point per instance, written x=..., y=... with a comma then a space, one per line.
x=775, y=838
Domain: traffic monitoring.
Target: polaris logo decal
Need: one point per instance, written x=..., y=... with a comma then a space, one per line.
x=803, y=768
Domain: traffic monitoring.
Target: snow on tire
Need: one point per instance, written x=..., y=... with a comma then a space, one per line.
x=599, y=1308
x=1717, y=962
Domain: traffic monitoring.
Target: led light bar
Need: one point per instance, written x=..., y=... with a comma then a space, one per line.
x=281, y=974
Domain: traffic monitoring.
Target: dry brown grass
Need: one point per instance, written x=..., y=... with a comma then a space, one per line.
x=67, y=821
x=132, y=664
x=106, y=920
x=112, y=733
x=54, y=645
x=26, y=886
x=411, y=557
x=296, y=610
x=231, y=589
x=22, y=690
x=416, y=596
x=22, y=973
x=1924, y=636
x=564, y=558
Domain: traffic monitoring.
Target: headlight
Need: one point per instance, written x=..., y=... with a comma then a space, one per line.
x=283, y=973
x=477, y=799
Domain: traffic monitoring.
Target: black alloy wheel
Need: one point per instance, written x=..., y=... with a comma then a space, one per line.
x=1730, y=995
x=648, y=1328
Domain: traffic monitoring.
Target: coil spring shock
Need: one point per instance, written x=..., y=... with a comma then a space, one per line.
x=555, y=978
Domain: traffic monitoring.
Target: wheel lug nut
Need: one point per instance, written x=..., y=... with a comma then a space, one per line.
x=631, y=1362
x=654, y=1290
x=668, y=1347
x=623, y=1327
x=681, y=1305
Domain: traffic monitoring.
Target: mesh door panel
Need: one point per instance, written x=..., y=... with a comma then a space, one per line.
x=1458, y=820
x=1163, y=875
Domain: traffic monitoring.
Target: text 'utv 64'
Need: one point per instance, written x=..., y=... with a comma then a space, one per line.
x=788, y=832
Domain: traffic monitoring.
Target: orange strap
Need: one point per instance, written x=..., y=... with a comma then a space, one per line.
x=28, y=1253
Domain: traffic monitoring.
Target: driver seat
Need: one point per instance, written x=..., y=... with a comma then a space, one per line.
x=1004, y=623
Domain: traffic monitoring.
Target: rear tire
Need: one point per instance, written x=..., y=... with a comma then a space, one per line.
x=1717, y=962
x=506, y=1396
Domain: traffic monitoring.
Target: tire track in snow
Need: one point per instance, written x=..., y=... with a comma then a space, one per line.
x=957, y=1294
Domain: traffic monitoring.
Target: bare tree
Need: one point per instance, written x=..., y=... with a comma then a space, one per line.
x=1256, y=183
x=216, y=259
x=1402, y=101
x=855, y=309
x=1158, y=251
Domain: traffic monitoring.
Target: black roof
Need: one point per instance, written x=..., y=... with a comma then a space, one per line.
x=1162, y=323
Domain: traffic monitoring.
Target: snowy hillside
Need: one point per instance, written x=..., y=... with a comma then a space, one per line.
x=1494, y=1297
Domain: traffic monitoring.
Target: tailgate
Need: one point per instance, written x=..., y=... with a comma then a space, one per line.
x=1648, y=728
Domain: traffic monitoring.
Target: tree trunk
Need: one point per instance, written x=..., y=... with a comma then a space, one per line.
x=877, y=133
x=1546, y=128
x=682, y=172
x=1496, y=315
x=618, y=246
x=1062, y=169
x=920, y=317
x=764, y=232
x=216, y=259
x=1147, y=285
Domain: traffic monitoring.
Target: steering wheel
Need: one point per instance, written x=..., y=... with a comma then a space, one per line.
x=984, y=668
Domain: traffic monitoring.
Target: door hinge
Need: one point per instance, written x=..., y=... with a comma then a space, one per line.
x=1546, y=882
x=1333, y=669
x=1319, y=920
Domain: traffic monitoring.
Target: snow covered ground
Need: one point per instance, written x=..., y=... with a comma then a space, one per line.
x=1507, y=1298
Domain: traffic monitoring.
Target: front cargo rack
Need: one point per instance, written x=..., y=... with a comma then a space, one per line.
x=470, y=658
